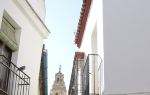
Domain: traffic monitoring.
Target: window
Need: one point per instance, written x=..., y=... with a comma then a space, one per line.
x=6, y=51
x=57, y=79
x=4, y=71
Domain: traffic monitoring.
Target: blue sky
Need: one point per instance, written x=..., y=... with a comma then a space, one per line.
x=62, y=18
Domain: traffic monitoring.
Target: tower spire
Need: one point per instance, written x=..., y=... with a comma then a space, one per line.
x=59, y=68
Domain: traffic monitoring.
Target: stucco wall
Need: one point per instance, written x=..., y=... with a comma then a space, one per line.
x=39, y=7
x=126, y=46
x=123, y=44
x=29, y=40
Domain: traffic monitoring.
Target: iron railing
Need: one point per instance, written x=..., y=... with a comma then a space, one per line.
x=85, y=78
x=73, y=81
x=13, y=81
x=75, y=84
x=90, y=70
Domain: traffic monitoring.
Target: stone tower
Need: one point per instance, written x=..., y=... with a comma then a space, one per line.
x=59, y=87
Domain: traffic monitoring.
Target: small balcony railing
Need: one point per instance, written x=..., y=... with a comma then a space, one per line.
x=90, y=69
x=13, y=81
x=85, y=78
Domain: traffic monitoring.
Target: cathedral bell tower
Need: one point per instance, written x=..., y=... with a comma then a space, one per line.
x=59, y=87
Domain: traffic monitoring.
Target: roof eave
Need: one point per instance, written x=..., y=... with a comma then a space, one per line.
x=82, y=22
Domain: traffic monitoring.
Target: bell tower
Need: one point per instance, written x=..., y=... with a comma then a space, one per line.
x=59, y=87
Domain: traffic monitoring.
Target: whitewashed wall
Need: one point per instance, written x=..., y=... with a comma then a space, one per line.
x=92, y=42
x=122, y=28
x=126, y=47
x=39, y=7
x=29, y=37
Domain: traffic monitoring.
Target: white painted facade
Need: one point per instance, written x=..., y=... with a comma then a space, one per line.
x=30, y=34
x=39, y=7
x=118, y=31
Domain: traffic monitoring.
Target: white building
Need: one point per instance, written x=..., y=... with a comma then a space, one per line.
x=22, y=32
x=117, y=31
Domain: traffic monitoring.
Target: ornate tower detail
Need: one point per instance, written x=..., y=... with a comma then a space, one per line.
x=59, y=87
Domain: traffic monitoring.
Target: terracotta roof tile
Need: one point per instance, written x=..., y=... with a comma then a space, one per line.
x=82, y=21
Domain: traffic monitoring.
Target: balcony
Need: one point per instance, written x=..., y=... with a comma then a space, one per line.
x=13, y=81
x=85, y=78
x=91, y=75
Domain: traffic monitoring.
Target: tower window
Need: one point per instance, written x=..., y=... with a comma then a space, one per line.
x=57, y=79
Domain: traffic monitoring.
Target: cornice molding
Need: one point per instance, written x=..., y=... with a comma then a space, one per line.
x=33, y=17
